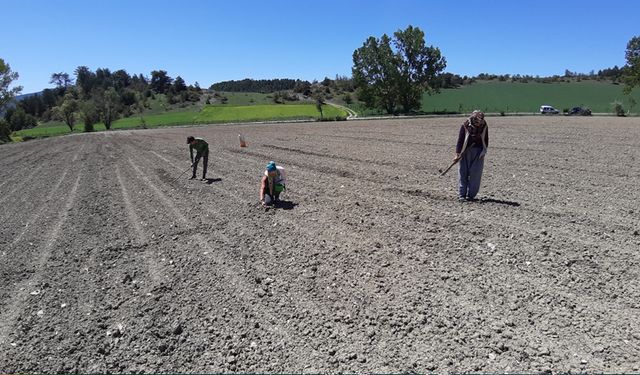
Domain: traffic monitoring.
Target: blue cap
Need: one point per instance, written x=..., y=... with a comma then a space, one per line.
x=271, y=166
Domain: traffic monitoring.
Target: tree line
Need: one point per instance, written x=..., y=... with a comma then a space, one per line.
x=97, y=96
x=253, y=85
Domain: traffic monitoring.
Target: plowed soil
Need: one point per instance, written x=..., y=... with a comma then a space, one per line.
x=108, y=263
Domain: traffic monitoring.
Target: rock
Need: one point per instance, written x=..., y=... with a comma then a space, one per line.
x=431, y=366
x=543, y=351
x=40, y=313
x=176, y=329
x=492, y=356
x=127, y=279
x=371, y=332
x=636, y=232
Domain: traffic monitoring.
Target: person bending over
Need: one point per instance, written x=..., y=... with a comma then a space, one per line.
x=202, y=151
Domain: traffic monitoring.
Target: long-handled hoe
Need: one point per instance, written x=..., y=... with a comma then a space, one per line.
x=455, y=161
x=183, y=172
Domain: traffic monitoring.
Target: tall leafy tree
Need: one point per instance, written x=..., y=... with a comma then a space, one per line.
x=107, y=105
x=179, y=85
x=6, y=78
x=6, y=96
x=160, y=81
x=375, y=73
x=66, y=111
x=391, y=73
x=61, y=80
x=104, y=78
x=418, y=66
x=632, y=69
x=85, y=80
x=121, y=79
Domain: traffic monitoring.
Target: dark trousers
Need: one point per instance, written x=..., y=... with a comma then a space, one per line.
x=205, y=161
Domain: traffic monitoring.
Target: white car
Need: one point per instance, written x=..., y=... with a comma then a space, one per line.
x=548, y=110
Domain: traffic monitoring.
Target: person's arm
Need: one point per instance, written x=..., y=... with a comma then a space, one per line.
x=486, y=142
x=263, y=185
x=486, y=137
x=461, y=135
x=191, y=152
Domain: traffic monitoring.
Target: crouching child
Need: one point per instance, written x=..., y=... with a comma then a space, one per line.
x=272, y=185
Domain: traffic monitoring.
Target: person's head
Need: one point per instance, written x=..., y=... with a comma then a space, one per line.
x=478, y=114
x=190, y=140
x=272, y=170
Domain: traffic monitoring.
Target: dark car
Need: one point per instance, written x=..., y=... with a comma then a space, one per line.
x=579, y=111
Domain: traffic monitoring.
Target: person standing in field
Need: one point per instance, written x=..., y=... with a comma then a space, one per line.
x=272, y=184
x=202, y=151
x=473, y=142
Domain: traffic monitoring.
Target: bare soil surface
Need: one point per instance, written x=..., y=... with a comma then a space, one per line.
x=109, y=264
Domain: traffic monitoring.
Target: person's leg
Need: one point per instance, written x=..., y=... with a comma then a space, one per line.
x=195, y=166
x=205, y=162
x=475, y=174
x=463, y=170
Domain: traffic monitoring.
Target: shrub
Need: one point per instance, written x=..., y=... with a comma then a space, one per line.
x=4, y=131
x=618, y=109
x=89, y=116
x=18, y=119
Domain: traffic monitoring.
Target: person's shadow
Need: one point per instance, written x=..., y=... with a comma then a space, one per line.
x=499, y=201
x=285, y=205
x=212, y=180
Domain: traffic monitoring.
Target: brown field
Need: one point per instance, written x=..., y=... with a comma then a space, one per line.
x=107, y=264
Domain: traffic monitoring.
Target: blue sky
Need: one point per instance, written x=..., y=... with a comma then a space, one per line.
x=212, y=41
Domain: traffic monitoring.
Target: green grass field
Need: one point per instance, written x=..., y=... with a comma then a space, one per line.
x=210, y=114
x=510, y=97
x=223, y=113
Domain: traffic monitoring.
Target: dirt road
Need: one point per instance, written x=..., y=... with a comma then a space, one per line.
x=106, y=264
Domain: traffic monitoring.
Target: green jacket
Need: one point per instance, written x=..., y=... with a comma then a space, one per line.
x=201, y=148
